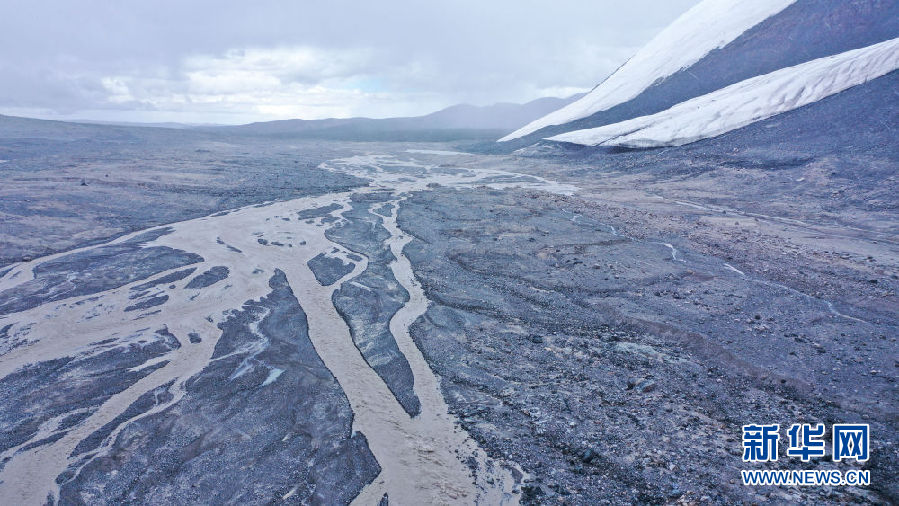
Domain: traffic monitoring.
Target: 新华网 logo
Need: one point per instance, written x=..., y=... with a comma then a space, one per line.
x=806, y=441
x=849, y=441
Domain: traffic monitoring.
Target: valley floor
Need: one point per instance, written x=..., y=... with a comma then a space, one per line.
x=231, y=320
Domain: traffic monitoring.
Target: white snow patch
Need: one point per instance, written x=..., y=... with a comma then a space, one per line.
x=709, y=25
x=360, y=285
x=734, y=269
x=746, y=102
x=273, y=375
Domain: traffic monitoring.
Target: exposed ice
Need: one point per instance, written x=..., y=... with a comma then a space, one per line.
x=746, y=102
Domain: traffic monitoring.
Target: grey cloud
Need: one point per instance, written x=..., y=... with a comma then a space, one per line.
x=55, y=55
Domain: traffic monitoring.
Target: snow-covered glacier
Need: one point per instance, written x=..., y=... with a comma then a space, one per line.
x=709, y=25
x=748, y=101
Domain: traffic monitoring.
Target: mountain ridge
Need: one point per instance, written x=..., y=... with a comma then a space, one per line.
x=803, y=31
x=502, y=116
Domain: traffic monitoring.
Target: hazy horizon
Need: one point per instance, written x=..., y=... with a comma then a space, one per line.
x=197, y=124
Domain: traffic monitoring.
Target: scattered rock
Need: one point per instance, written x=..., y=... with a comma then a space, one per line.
x=642, y=385
x=588, y=455
x=645, y=386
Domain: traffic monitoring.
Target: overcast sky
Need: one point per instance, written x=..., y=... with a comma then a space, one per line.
x=226, y=61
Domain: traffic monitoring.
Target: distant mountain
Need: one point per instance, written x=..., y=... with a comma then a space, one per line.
x=14, y=127
x=458, y=122
x=715, y=45
x=501, y=116
x=37, y=137
x=168, y=124
x=455, y=122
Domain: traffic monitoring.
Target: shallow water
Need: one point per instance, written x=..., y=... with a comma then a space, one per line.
x=423, y=459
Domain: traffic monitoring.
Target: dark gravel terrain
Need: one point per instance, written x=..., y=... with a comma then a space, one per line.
x=375, y=296
x=67, y=185
x=228, y=441
x=607, y=345
x=611, y=368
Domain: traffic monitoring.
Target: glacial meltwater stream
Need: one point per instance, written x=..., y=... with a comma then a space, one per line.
x=423, y=459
